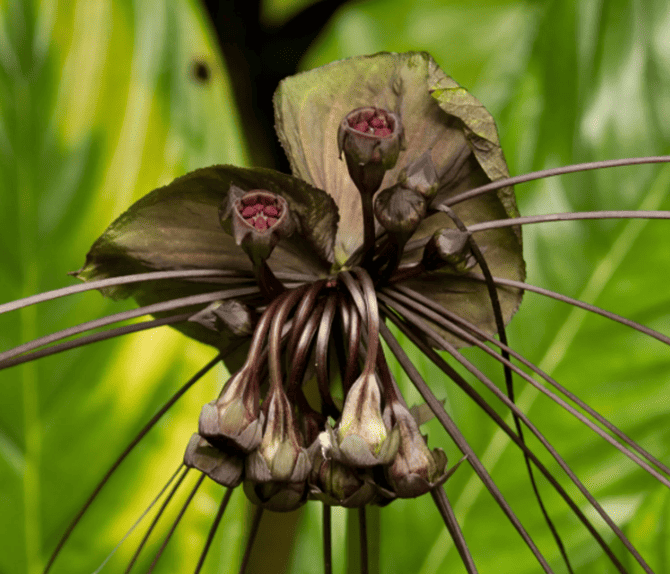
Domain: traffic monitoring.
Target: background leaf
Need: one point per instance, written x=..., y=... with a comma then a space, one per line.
x=99, y=104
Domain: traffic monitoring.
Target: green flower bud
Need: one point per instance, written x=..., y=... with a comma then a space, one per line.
x=415, y=470
x=362, y=438
x=229, y=314
x=234, y=420
x=280, y=456
x=337, y=484
x=400, y=210
x=276, y=496
x=449, y=248
x=421, y=176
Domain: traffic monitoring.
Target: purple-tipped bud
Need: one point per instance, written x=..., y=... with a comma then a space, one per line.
x=415, y=469
x=421, y=176
x=362, y=438
x=280, y=456
x=257, y=219
x=400, y=210
x=449, y=248
x=224, y=468
x=234, y=420
x=371, y=139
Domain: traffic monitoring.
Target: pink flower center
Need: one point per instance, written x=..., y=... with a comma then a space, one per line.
x=260, y=210
x=372, y=122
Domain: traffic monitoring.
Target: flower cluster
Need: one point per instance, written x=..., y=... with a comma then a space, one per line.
x=283, y=447
x=313, y=411
x=378, y=145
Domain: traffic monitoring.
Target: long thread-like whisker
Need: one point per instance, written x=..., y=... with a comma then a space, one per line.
x=447, y=513
x=550, y=449
x=458, y=438
x=125, y=315
x=213, y=529
x=93, y=338
x=140, y=435
x=255, y=523
x=577, y=303
x=542, y=174
x=509, y=384
x=413, y=296
x=479, y=400
x=176, y=522
x=154, y=522
x=595, y=428
x=137, y=522
x=574, y=216
x=122, y=280
x=546, y=218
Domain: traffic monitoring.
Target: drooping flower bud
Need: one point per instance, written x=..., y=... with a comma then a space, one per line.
x=337, y=484
x=257, y=219
x=234, y=420
x=415, y=469
x=222, y=467
x=276, y=473
x=449, y=248
x=277, y=496
x=421, y=176
x=280, y=456
x=400, y=210
x=371, y=139
x=362, y=439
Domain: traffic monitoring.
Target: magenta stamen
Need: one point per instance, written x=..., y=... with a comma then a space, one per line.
x=249, y=211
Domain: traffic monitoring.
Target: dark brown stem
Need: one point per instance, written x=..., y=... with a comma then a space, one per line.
x=447, y=513
x=368, y=230
x=278, y=321
x=327, y=541
x=363, y=537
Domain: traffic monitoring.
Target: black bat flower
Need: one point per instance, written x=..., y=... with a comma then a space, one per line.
x=399, y=213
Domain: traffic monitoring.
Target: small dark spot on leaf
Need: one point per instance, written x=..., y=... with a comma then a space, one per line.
x=200, y=71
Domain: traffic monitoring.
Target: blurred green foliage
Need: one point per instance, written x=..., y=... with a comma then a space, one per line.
x=99, y=104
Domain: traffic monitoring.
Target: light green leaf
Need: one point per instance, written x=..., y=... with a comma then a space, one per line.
x=98, y=105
